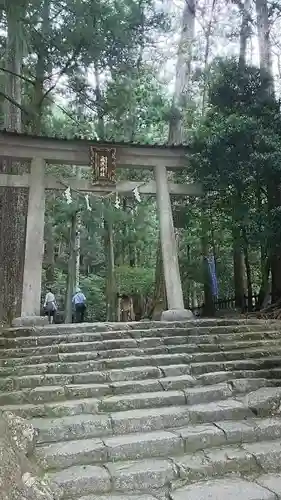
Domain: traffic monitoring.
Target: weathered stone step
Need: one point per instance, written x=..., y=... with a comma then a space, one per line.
x=208, y=353
x=96, y=365
x=263, y=487
x=164, y=398
x=138, y=420
x=95, y=377
x=146, y=475
x=93, y=451
x=62, y=333
x=118, y=497
x=20, y=404
x=196, y=368
x=140, y=325
x=48, y=393
x=266, y=363
x=209, y=343
x=33, y=339
x=162, y=443
x=142, y=394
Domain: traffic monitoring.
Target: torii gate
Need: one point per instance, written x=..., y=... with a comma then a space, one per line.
x=102, y=158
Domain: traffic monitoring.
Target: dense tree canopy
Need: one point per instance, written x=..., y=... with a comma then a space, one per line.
x=102, y=70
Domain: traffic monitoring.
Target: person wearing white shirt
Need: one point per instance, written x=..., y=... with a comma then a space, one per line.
x=50, y=305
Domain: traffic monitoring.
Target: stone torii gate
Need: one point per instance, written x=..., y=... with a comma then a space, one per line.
x=102, y=158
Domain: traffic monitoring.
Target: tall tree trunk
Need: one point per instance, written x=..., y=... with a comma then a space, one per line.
x=160, y=298
x=41, y=69
x=238, y=267
x=111, y=290
x=209, y=307
x=49, y=253
x=248, y=270
x=274, y=185
x=70, y=282
x=176, y=125
x=245, y=32
x=206, y=55
x=13, y=201
x=183, y=73
x=264, y=44
x=238, y=243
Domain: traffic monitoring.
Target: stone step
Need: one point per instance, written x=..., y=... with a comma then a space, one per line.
x=48, y=393
x=64, y=408
x=265, y=363
x=164, y=398
x=263, y=487
x=132, y=374
x=117, y=497
x=151, y=474
x=197, y=324
x=159, y=444
x=96, y=365
x=85, y=425
x=199, y=335
x=196, y=368
x=131, y=395
x=224, y=335
x=210, y=352
x=192, y=344
x=94, y=451
x=95, y=377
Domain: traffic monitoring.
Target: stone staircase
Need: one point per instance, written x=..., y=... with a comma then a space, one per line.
x=146, y=411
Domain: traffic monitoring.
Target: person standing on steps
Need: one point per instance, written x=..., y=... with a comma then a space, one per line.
x=50, y=305
x=79, y=302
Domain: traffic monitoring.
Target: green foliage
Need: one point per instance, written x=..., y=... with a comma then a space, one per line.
x=135, y=280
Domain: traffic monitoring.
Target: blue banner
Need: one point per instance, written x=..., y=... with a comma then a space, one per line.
x=213, y=275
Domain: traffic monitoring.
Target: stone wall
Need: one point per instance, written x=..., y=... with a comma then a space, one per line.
x=19, y=477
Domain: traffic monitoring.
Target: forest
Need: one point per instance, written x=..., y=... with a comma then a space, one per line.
x=203, y=73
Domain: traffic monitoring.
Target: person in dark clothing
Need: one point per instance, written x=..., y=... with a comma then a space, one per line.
x=79, y=302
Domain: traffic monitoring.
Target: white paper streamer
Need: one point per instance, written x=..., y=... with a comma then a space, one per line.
x=88, y=203
x=137, y=194
x=67, y=194
x=117, y=201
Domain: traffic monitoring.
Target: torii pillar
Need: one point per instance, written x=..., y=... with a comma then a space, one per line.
x=34, y=244
x=176, y=310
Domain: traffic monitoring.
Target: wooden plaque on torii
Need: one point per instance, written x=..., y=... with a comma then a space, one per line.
x=103, y=163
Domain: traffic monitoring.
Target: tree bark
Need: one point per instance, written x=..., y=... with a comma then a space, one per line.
x=206, y=56
x=264, y=44
x=41, y=69
x=248, y=270
x=49, y=253
x=183, y=73
x=209, y=307
x=13, y=201
x=238, y=267
x=70, y=282
x=159, y=298
x=176, y=125
x=273, y=186
x=245, y=32
x=111, y=290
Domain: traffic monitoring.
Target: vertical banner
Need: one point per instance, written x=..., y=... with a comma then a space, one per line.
x=212, y=270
